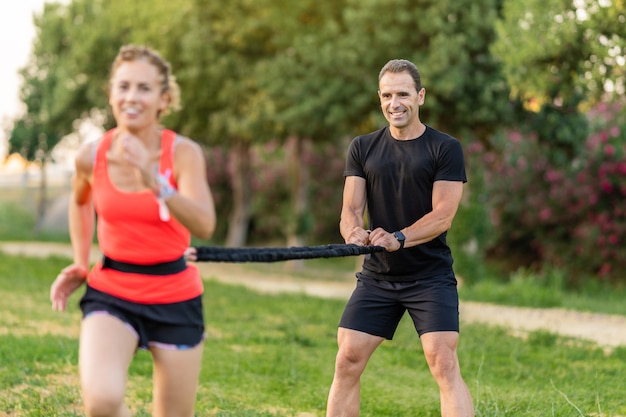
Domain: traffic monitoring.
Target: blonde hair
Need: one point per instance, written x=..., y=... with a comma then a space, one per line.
x=130, y=53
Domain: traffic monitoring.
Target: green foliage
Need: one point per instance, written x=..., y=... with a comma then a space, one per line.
x=471, y=232
x=562, y=130
x=560, y=48
x=448, y=41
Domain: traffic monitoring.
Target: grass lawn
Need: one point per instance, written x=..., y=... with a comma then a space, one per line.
x=273, y=356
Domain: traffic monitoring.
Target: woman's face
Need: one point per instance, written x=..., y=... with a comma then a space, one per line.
x=136, y=96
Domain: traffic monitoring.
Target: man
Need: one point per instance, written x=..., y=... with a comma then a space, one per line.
x=410, y=177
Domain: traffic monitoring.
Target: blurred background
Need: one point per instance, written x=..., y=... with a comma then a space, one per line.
x=275, y=90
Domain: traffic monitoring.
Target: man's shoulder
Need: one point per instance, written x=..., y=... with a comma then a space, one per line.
x=438, y=135
x=371, y=136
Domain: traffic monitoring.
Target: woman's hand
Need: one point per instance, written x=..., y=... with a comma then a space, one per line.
x=191, y=254
x=69, y=280
x=146, y=162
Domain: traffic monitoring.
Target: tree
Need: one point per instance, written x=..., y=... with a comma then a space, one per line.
x=45, y=95
x=217, y=57
x=450, y=42
x=304, y=92
x=562, y=49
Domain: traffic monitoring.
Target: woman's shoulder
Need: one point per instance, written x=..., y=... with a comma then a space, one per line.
x=185, y=148
x=87, y=152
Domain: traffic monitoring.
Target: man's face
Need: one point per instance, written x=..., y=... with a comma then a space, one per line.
x=399, y=100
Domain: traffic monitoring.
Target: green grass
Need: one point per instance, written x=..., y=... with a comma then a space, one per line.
x=547, y=290
x=273, y=356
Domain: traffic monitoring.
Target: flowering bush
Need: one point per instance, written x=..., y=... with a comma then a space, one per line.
x=571, y=215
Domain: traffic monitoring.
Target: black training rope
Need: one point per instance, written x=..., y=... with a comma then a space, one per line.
x=216, y=254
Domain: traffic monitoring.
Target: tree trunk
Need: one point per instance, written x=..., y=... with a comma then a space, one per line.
x=239, y=219
x=42, y=198
x=298, y=227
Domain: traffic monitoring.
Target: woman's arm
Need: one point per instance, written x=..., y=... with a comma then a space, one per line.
x=193, y=204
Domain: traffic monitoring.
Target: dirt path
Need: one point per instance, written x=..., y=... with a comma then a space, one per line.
x=608, y=331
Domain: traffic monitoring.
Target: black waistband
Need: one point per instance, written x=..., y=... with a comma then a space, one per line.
x=165, y=268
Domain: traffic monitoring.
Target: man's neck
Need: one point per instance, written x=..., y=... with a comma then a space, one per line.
x=408, y=132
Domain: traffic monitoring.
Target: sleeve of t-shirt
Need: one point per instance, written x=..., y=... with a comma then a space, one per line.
x=354, y=165
x=451, y=166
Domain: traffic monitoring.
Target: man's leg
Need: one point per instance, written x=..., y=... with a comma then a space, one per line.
x=355, y=349
x=440, y=352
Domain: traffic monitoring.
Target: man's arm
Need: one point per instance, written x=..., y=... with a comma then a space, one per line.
x=446, y=198
x=352, y=210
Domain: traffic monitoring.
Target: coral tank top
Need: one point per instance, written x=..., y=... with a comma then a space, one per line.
x=130, y=230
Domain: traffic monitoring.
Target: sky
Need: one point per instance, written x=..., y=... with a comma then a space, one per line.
x=16, y=37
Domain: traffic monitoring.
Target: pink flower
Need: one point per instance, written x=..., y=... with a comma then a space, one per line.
x=614, y=131
x=604, y=137
x=553, y=175
x=607, y=187
x=609, y=150
x=516, y=137
x=545, y=214
x=475, y=147
x=605, y=270
x=613, y=239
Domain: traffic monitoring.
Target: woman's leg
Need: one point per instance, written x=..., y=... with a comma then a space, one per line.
x=107, y=347
x=176, y=374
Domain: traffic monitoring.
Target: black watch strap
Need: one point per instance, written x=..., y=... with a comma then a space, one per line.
x=401, y=238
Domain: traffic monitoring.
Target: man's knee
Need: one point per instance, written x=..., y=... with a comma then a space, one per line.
x=443, y=366
x=350, y=363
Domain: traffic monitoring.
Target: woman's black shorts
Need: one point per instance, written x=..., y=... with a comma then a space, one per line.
x=376, y=307
x=171, y=326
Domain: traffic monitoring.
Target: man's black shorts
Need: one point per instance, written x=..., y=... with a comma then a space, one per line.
x=171, y=326
x=376, y=307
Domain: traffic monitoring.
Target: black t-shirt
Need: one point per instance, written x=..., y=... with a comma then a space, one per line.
x=399, y=177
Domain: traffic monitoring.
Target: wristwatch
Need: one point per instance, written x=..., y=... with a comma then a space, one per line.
x=401, y=238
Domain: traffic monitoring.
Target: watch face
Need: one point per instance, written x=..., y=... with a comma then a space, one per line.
x=399, y=235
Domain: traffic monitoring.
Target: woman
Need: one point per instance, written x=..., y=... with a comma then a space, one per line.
x=148, y=187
